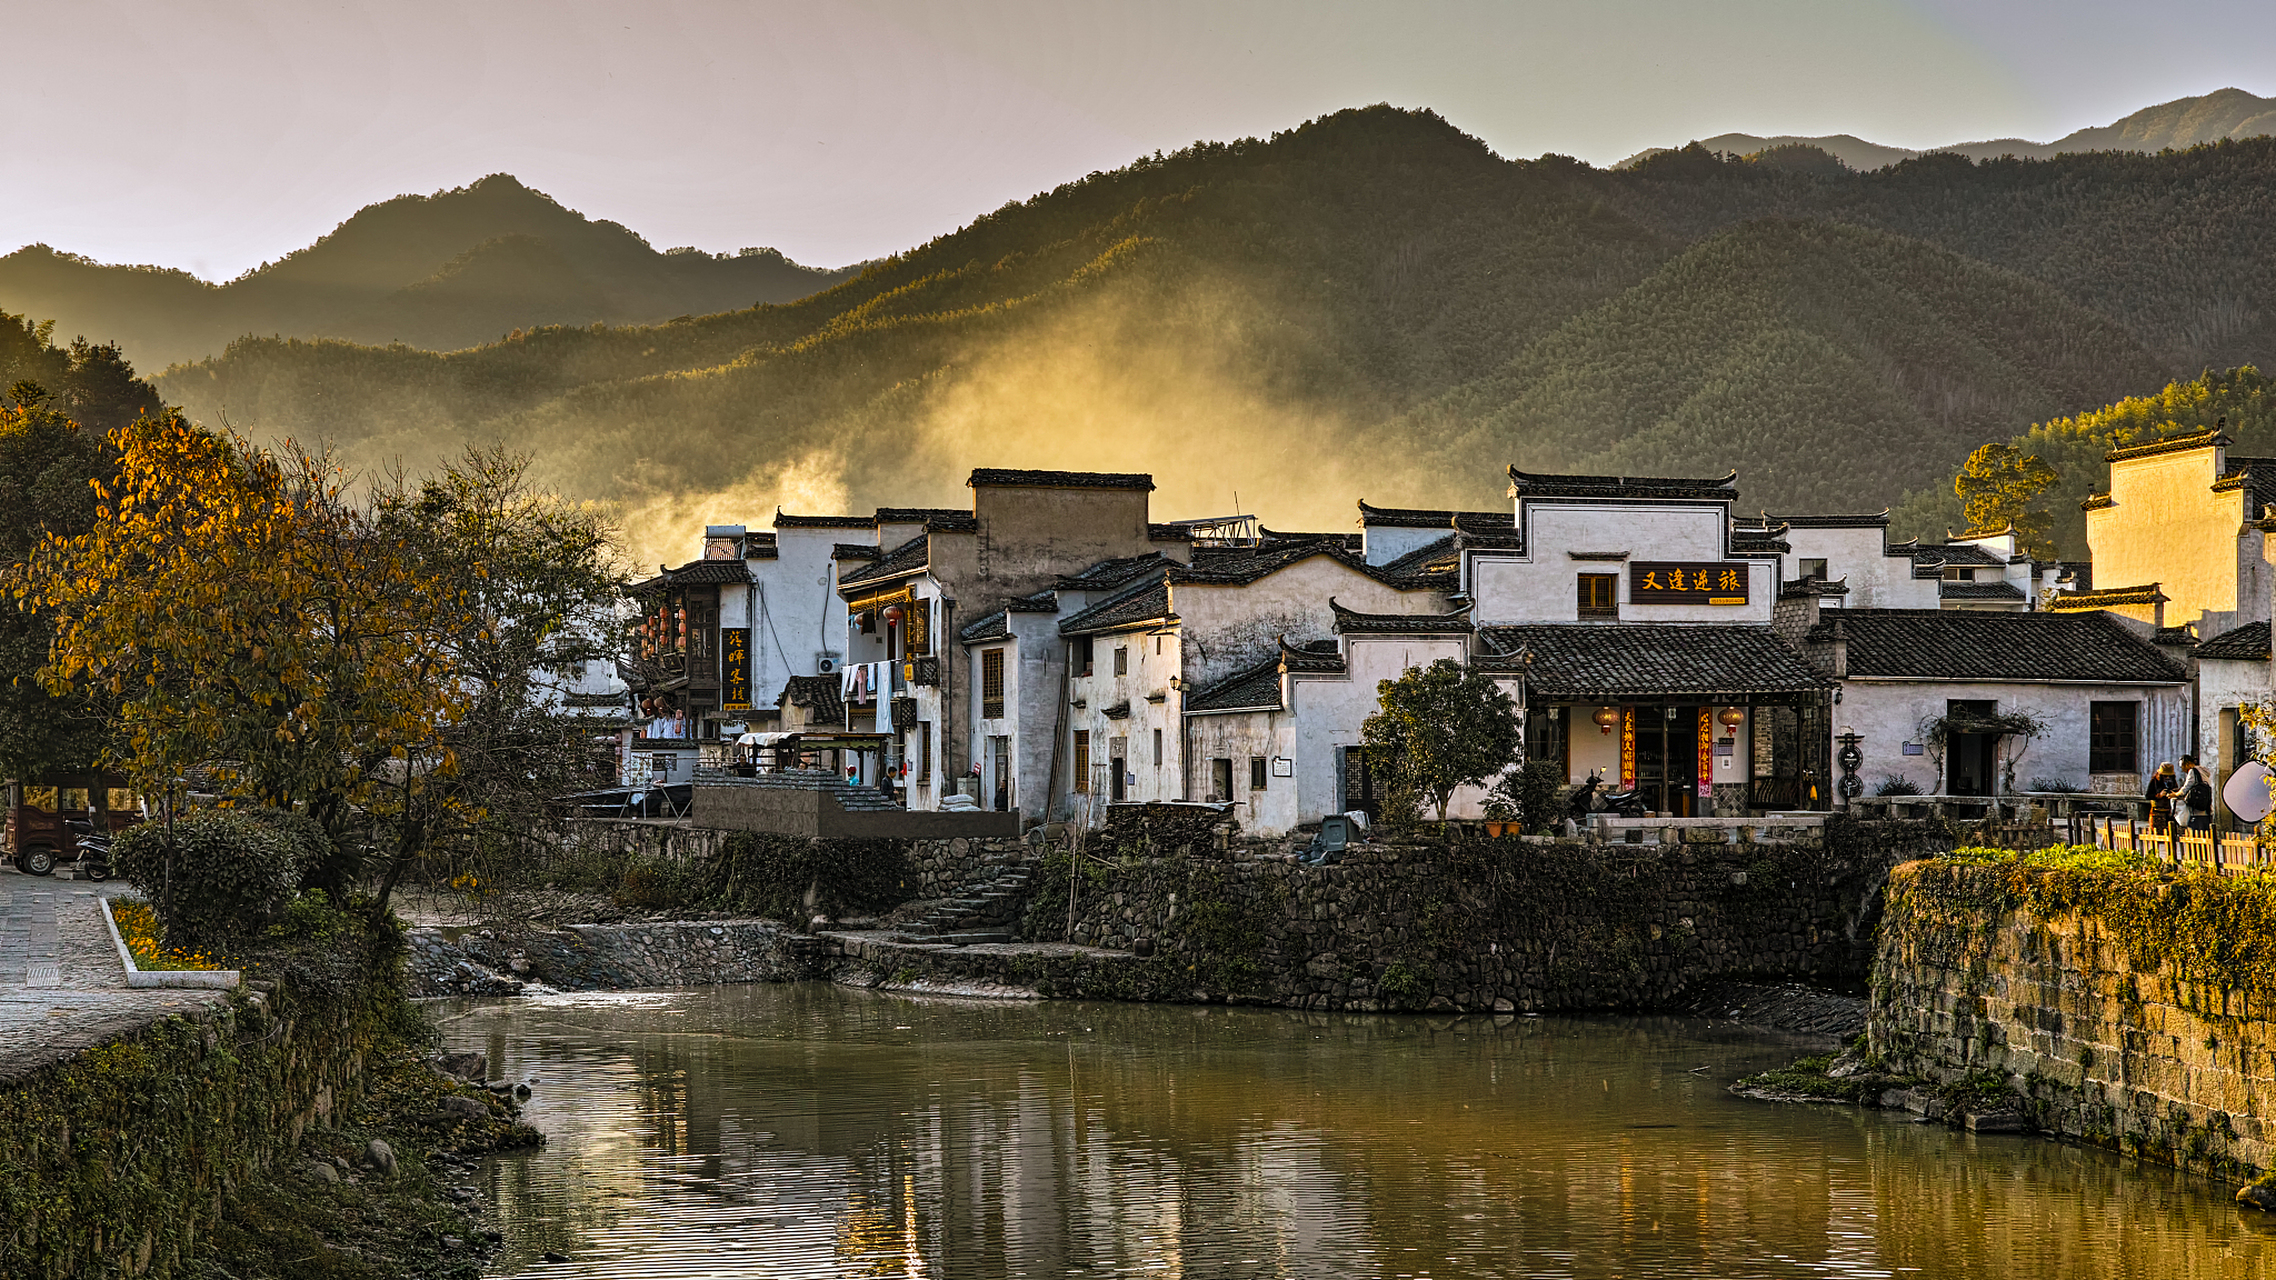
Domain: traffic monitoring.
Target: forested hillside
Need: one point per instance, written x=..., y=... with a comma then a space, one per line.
x=2241, y=401
x=1372, y=305
x=442, y=271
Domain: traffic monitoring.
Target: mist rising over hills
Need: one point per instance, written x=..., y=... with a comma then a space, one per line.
x=1375, y=306
x=2184, y=122
x=443, y=271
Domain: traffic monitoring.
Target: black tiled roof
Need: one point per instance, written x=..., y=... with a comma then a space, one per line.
x=2248, y=643
x=1108, y=574
x=2107, y=598
x=1965, y=554
x=854, y=551
x=2096, y=502
x=1044, y=601
x=1579, y=662
x=1804, y=588
x=992, y=626
x=1876, y=521
x=941, y=519
x=1744, y=543
x=2256, y=476
x=1240, y=565
x=1256, y=689
x=1625, y=488
x=910, y=557
x=1348, y=541
x=782, y=521
x=1962, y=644
x=1446, y=552
x=1401, y=624
x=1318, y=657
x=818, y=694
x=694, y=572
x=1143, y=603
x=1168, y=533
x=1003, y=478
x=1419, y=518
x=2175, y=444
x=1978, y=591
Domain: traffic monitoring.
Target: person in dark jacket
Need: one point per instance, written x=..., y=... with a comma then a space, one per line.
x=2160, y=792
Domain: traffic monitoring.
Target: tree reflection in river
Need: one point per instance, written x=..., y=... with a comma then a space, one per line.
x=814, y=1130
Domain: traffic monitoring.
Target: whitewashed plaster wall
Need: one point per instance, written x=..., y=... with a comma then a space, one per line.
x=1876, y=580
x=1383, y=543
x=1542, y=585
x=1232, y=628
x=800, y=615
x=2223, y=685
x=1277, y=807
x=2166, y=525
x=1887, y=714
x=1153, y=659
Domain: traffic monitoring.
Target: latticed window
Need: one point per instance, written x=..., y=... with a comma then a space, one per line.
x=1598, y=598
x=2113, y=737
x=1082, y=760
x=920, y=615
x=991, y=684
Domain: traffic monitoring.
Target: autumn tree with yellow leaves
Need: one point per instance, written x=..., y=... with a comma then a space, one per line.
x=251, y=619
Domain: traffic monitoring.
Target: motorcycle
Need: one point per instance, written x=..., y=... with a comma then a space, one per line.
x=1623, y=804
x=94, y=849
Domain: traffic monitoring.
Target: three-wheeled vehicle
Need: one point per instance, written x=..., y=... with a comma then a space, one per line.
x=68, y=820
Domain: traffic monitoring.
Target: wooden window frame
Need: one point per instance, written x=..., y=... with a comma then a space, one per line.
x=1591, y=588
x=2101, y=741
x=991, y=684
x=1082, y=755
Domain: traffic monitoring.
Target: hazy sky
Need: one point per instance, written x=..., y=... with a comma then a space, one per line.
x=216, y=135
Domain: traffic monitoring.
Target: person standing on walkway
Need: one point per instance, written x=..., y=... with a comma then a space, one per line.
x=2193, y=797
x=2160, y=792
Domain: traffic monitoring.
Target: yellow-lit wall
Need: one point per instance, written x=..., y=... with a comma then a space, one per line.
x=2166, y=525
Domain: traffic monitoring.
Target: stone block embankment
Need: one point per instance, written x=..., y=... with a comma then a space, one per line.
x=115, y=1160
x=610, y=957
x=2130, y=1010
x=1491, y=924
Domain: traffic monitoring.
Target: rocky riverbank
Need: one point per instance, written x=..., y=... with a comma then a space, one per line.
x=504, y=960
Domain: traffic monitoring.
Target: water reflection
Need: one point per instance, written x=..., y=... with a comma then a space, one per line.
x=810, y=1130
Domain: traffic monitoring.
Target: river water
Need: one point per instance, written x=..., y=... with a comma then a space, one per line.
x=812, y=1130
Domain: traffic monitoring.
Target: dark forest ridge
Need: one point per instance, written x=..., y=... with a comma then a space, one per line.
x=441, y=272
x=2183, y=122
x=1372, y=305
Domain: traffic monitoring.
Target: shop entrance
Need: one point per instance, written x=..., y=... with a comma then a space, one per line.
x=1667, y=760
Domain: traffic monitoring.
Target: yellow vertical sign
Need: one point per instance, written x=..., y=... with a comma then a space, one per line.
x=1627, y=748
x=1706, y=755
x=734, y=669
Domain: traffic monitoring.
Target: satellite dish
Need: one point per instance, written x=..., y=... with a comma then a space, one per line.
x=2247, y=791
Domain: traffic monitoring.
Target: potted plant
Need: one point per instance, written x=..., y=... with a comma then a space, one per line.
x=1501, y=809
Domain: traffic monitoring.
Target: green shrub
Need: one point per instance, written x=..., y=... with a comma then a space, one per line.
x=234, y=873
x=1540, y=788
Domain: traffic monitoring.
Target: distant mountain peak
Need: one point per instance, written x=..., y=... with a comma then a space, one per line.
x=2183, y=122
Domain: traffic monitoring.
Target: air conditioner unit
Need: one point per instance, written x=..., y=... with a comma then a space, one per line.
x=826, y=664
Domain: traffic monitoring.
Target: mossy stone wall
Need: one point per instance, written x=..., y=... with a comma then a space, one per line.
x=114, y=1161
x=2134, y=1010
x=1477, y=923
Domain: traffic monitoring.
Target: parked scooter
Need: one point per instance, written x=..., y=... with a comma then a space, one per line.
x=94, y=849
x=1623, y=804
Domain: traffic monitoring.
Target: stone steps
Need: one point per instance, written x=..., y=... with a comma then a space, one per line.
x=979, y=911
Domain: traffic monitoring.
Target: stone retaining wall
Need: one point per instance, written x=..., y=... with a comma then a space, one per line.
x=614, y=957
x=1494, y=924
x=115, y=1161
x=2102, y=1039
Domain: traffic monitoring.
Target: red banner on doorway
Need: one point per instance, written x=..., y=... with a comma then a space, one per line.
x=1627, y=748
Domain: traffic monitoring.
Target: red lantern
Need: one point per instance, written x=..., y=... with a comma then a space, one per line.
x=892, y=615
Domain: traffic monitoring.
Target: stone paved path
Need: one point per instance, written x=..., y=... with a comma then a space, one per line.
x=62, y=988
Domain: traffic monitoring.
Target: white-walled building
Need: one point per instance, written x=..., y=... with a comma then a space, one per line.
x=2115, y=703
x=2181, y=519
x=2232, y=673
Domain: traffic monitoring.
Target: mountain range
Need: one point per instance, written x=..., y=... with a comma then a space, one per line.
x=1369, y=306
x=442, y=272
x=2184, y=122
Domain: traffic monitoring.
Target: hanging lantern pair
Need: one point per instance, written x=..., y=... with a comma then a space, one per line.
x=1607, y=718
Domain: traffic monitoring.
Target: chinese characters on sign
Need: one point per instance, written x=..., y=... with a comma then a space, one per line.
x=735, y=668
x=1651, y=582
